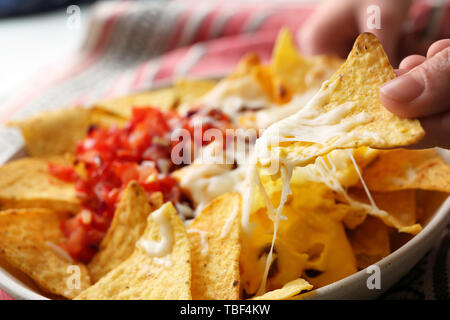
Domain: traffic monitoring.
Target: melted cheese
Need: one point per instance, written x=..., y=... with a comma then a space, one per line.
x=232, y=95
x=210, y=176
x=163, y=247
x=328, y=130
x=310, y=124
x=275, y=112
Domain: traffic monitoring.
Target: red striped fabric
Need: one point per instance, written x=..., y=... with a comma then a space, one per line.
x=167, y=40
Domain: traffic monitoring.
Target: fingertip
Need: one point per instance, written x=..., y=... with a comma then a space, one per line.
x=397, y=94
x=411, y=62
x=437, y=47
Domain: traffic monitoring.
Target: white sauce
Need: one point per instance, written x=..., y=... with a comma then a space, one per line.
x=231, y=95
x=163, y=247
x=208, y=177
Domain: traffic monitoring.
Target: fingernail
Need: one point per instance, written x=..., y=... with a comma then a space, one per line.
x=403, y=89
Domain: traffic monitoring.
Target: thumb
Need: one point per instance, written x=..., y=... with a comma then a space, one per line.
x=423, y=91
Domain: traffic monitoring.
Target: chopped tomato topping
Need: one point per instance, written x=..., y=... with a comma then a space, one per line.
x=62, y=172
x=112, y=157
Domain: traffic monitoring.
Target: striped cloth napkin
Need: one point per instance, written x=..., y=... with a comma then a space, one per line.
x=134, y=46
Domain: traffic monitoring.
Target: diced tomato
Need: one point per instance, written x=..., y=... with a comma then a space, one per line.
x=126, y=171
x=63, y=172
x=112, y=157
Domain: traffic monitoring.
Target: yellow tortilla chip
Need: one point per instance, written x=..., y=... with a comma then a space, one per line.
x=345, y=113
x=288, y=291
x=145, y=277
x=189, y=90
x=245, y=66
x=28, y=242
x=54, y=132
x=296, y=73
x=27, y=183
x=127, y=226
x=248, y=81
x=400, y=206
x=215, y=236
x=370, y=242
x=163, y=99
x=103, y=119
x=408, y=169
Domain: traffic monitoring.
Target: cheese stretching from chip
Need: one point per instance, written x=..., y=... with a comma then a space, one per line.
x=345, y=113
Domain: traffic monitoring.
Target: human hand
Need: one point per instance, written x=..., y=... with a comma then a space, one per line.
x=422, y=90
x=335, y=25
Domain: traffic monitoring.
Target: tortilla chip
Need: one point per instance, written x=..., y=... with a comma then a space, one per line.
x=346, y=113
x=144, y=277
x=103, y=119
x=127, y=226
x=28, y=242
x=370, y=242
x=408, y=169
x=163, y=99
x=215, y=236
x=296, y=73
x=289, y=290
x=400, y=206
x=189, y=90
x=245, y=66
x=54, y=132
x=27, y=183
x=245, y=82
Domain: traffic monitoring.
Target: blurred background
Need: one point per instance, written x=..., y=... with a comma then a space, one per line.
x=33, y=34
x=37, y=33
